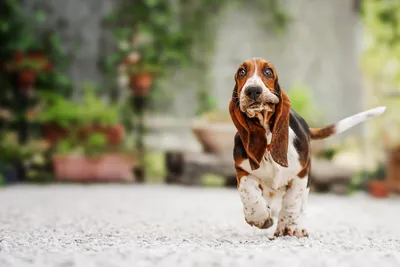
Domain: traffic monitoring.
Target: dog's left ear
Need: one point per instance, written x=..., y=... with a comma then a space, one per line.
x=280, y=128
x=253, y=136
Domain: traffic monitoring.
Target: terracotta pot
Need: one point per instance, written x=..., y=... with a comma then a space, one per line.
x=115, y=134
x=378, y=189
x=26, y=80
x=393, y=170
x=141, y=83
x=105, y=168
x=53, y=133
x=26, y=77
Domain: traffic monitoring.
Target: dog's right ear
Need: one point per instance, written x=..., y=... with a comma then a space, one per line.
x=253, y=135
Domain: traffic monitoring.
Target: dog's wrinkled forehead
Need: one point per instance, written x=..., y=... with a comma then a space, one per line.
x=256, y=71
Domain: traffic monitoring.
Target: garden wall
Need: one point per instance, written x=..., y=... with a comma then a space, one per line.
x=320, y=49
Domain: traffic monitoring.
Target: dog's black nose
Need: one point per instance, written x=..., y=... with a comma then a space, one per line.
x=253, y=92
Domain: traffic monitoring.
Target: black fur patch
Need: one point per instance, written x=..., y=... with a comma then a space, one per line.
x=238, y=151
x=277, y=88
x=302, y=142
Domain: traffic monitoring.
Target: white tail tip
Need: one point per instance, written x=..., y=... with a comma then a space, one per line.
x=351, y=121
x=377, y=111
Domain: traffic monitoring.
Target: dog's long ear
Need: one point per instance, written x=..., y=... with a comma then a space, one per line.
x=280, y=128
x=253, y=136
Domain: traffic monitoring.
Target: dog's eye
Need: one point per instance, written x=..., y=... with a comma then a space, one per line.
x=242, y=72
x=268, y=73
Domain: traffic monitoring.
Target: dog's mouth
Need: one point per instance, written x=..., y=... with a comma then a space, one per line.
x=259, y=108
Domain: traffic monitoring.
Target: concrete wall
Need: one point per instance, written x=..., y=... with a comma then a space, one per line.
x=320, y=49
x=83, y=34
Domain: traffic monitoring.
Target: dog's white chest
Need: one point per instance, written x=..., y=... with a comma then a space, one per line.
x=270, y=171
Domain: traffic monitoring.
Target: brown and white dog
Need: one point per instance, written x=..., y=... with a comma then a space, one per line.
x=272, y=149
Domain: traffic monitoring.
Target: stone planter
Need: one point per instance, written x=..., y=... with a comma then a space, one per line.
x=215, y=138
x=105, y=168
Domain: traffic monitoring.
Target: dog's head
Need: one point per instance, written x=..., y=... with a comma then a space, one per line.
x=258, y=107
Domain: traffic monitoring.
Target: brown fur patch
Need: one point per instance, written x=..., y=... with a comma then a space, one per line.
x=280, y=130
x=239, y=174
x=271, y=194
x=304, y=171
x=289, y=185
x=321, y=133
x=252, y=136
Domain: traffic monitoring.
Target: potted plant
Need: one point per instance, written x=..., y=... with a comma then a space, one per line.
x=26, y=67
x=12, y=154
x=377, y=183
x=139, y=73
x=92, y=161
x=59, y=115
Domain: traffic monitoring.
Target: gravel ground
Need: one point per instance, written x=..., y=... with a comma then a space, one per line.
x=128, y=225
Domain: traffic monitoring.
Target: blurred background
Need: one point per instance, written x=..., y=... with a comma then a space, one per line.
x=99, y=91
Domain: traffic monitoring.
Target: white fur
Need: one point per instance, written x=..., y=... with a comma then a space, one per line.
x=287, y=205
x=351, y=121
x=272, y=173
x=254, y=205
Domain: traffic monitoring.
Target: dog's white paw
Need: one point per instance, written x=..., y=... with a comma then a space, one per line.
x=290, y=230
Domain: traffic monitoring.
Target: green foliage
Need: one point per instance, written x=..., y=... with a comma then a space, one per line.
x=65, y=112
x=154, y=163
x=95, y=144
x=162, y=34
x=18, y=32
x=302, y=102
x=360, y=180
x=212, y=180
x=59, y=110
x=381, y=63
x=382, y=30
x=95, y=111
x=13, y=152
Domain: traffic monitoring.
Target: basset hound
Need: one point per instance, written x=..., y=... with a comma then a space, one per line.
x=272, y=149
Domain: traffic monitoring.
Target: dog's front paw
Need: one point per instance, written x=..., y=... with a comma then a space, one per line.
x=290, y=230
x=264, y=224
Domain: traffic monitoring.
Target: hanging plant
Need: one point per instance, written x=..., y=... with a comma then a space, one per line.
x=162, y=33
x=26, y=67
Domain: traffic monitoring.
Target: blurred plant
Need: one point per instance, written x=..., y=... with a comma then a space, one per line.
x=382, y=55
x=12, y=152
x=30, y=154
x=16, y=34
x=158, y=36
x=155, y=167
x=96, y=144
x=93, y=146
x=24, y=50
x=361, y=179
x=66, y=113
x=213, y=180
x=302, y=102
x=380, y=63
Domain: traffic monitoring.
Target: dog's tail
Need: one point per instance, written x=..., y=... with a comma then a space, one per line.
x=345, y=124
